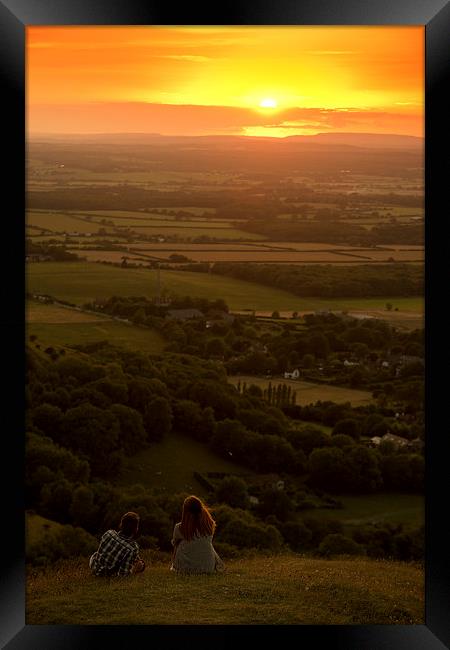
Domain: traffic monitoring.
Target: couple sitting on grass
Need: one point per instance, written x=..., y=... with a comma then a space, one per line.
x=118, y=552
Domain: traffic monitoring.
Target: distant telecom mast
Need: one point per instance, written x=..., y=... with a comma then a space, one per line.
x=158, y=285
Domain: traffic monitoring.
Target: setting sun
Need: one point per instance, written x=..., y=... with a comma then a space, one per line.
x=268, y=102
x=272, y=81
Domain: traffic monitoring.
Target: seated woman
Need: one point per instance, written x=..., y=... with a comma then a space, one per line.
x=192, y=540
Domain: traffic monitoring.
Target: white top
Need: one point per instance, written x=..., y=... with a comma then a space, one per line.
x=195, y=556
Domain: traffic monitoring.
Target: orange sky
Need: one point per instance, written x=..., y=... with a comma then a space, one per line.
x=212, y=80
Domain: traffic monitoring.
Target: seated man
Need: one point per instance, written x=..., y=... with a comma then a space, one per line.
x=118, y=552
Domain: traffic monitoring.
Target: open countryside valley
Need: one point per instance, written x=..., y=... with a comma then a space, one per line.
x=254, y=337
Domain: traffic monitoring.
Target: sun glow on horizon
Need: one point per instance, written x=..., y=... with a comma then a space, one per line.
x=225, y=79
x=268, y=102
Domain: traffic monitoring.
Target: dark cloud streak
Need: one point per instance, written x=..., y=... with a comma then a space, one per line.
x=175, y=119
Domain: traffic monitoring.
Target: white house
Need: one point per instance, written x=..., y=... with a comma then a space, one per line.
x=398, y=441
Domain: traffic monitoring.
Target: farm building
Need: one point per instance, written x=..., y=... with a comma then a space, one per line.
x=398, y=441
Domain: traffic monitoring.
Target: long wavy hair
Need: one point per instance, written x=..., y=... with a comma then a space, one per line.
x=196, y=520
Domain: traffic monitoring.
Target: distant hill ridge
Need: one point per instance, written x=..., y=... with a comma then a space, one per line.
x=319, y=141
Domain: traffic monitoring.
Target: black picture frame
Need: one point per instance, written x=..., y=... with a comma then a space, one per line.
x=15, y=15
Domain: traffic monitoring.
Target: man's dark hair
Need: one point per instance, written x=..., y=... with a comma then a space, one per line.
x=129, y=524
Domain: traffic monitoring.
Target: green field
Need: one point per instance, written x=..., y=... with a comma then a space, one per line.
x=158, y=225
x=196, y=231
x=308, y=392
x=407, y=509
x=60, y=222
x=170, y=465
x=196, y=215
x=396, y=210
x=157, y=221
x=49, y=236
x=68, y=334
x=80, y=282
x=269, y=590
x=189, y=208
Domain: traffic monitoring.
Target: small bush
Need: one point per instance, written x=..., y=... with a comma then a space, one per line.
x=226, y=550
x=337, y=544
x=232, y=490
x=64, y=542
x=296, y=535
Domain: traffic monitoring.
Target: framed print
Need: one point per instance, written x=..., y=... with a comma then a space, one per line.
x=231, y=221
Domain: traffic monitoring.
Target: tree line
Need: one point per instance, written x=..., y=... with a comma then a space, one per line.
x=328, y=281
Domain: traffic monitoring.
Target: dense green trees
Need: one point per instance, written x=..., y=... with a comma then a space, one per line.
x=42, y=451
x=48, y=419
x=338, y=544
x=261, y=421
x=158, y=418
x=215, y=347
x=239, y=528
x=296, y=534
x=262, y=452
x=328, y=469
x=275, y=502
x=94, y=433
x=54, y=252
x=354, y=470
x=79, y=371
x=336, y=231
x=308, y=437
x=403, y=472
x=328, y=281
x=394, y=541
x=348, y=427
x=365, y=471
x=132, y=434
x=63, y=542
x=232, y=490
x=83, y=509
x=219, y=398
x=194, y=421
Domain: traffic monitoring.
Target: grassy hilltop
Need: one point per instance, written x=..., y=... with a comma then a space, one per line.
x=273, y=590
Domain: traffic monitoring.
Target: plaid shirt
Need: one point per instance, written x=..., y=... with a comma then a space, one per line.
x=115, y=555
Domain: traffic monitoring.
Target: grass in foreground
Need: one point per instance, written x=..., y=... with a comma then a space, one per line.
x=274, y=590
